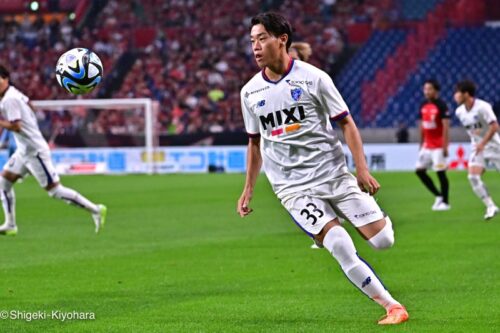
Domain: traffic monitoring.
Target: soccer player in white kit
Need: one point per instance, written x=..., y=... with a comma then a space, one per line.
x=287, y=109
x=32, y=156
x=481, y=124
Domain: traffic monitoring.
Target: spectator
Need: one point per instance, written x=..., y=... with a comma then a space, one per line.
x=402, y=133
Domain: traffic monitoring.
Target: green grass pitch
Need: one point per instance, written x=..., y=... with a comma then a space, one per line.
x=175, y=257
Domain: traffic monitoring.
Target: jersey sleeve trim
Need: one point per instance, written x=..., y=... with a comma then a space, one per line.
x=15, y=120
x=340, y=116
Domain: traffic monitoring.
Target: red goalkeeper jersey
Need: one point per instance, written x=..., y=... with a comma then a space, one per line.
x=432, y=113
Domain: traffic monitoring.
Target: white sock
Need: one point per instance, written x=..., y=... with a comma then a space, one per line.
x=480, y=189
x=338, y=242
x=8, y=201
x=384, y=239
x=72, y=197
x=488, y=201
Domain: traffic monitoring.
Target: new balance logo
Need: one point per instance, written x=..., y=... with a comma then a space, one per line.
x=366, y=282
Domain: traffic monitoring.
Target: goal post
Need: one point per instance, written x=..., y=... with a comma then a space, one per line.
x=129, y=132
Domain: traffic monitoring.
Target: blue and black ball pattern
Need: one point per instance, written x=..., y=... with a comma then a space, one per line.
x=76, y=79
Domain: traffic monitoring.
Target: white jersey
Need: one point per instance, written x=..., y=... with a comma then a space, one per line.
x=14, y=106
x=477, y=120
x=299, y=147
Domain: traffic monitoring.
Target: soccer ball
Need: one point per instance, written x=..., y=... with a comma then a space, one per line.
x=79, y=71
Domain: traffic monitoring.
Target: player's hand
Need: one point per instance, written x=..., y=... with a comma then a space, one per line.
x=479, y=147
x=445, y=152
x=367, y=183
x=243, y=202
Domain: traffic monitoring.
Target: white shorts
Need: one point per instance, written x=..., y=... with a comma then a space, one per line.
x=431, y=157
x=489, y=157
x=39, y=165
x=313, y=208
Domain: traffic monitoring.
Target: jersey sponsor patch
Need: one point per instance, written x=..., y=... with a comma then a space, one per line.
x=283, y=121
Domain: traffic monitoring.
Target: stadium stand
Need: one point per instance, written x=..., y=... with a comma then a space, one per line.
x=365, y=63
x=450, y=62
x=399, y=65
x=194, y=58
x=416, y=10
x=431, y=50
x=198, y=85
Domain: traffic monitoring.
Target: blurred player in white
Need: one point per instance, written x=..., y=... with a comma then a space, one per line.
x=287, y=109
x=481, y=124
x=32, y=156
x=300, y=51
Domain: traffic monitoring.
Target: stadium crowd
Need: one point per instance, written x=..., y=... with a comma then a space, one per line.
x=202, y=55
x=195, y=66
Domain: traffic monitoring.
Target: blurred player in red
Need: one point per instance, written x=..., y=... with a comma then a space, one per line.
x=434, y=128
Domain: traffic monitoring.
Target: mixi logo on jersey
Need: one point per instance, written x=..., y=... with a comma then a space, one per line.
x=286, y=120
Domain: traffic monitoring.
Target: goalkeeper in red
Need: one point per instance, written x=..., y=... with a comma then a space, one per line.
x=287, y=108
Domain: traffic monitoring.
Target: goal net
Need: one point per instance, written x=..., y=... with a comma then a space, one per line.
x=100, y=135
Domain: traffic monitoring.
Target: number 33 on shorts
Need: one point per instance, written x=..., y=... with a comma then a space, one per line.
x=310, y=213
x=314, y=214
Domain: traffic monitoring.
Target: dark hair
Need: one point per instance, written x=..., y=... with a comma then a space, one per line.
x=4, y=73
x=433, y=83
x=276, y=24
x=466, y=86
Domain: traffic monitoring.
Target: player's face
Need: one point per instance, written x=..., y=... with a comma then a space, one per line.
x=429, y=91
x=3, y=83
x=459, y=97
x=265, y=46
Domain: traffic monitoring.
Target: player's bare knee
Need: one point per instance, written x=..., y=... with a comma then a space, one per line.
x=384, y=239
x=51, y=189
x=10, y=176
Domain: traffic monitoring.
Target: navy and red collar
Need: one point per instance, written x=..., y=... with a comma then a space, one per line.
x=288, y=70
x=471, y=106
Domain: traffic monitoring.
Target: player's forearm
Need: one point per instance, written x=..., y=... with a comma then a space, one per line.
x=254, y=163
x=421, y=131
x=355, y=144
x=491, y=132
x=15, y=127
